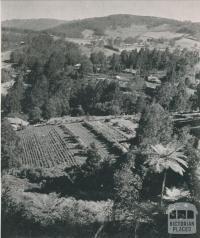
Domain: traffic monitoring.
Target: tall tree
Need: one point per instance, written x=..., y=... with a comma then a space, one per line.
x=181, y=99
x=167, y=157
x=14, y=99
x=115, y=63
x=198, y=96
x=10, y=149
x=166, y=95
x=155, y=125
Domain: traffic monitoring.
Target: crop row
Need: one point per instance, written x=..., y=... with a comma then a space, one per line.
x=45, y=147
x=84, y=136
x=96, y=128
x=110, y=133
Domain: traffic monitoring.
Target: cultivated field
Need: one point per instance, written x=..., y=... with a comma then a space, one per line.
x=45, y=146
x=65, y=142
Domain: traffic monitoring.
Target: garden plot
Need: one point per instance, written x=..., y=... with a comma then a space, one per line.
x=109, y=133
x=66, y=142
x=45, y=146
x=86, y=138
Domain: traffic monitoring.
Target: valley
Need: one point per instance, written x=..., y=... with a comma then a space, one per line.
x=100, y=125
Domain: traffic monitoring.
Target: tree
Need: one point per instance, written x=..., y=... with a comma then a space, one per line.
x=128, y=207
x=115, y=63
x=94, y=58
x=180, y=101
x=141, y=104
x=53, y=108
x=198, y=96
x=125, y=58
x=127, y=185
x=155, y=126
x=10, y=149
x=98, y=60
x=38, y=94
x=86, y=65
x=166, y=95
x=72, y=54
x=166, y=157
x=55, y=63
x=92, y=162
x=133, y=59
x=35, y=114
x=15, y=97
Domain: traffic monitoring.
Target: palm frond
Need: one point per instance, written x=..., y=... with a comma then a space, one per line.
x=169, y=156
x=173, y=194
x=176, y=167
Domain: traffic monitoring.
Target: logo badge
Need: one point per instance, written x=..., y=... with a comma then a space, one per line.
x=181, y=218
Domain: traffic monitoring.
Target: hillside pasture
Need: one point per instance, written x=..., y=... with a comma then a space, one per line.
x=188, y=43
x=161, y=34
x=124, y=32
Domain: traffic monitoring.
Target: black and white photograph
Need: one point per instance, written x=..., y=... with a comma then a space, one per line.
x=100, y=119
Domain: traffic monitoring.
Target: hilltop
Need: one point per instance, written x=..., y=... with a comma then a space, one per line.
x=108, y=25
x=121, y=31
x=124, y=25
x=32, y=24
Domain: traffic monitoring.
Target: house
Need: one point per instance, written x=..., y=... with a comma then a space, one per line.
x=151, y=88
x=88, y=45
x=117, y=77
x=77, y=66
x=151, y=85
x=153, y=79
x=14, y=76
x=130, y=71
x=22, y=42
x=124, y=86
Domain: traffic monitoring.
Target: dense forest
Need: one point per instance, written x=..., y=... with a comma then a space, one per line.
x=74, y=29
x=50, y=84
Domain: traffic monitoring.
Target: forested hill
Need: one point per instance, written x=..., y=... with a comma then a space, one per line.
x=114, y=23
x=32, y=24
x=105, y=25
x=100, y=24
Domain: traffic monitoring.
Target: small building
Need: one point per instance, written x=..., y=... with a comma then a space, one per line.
x=14, y=76
x=77, y=66
x=17, y=123
x=130, y=71
x=124, y=86
x=153, y=79
x=28, y=71
x=88, y=45
x=117, y=77
x=22, y=42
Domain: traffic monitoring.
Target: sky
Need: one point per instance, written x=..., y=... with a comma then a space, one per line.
x=78, y=9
